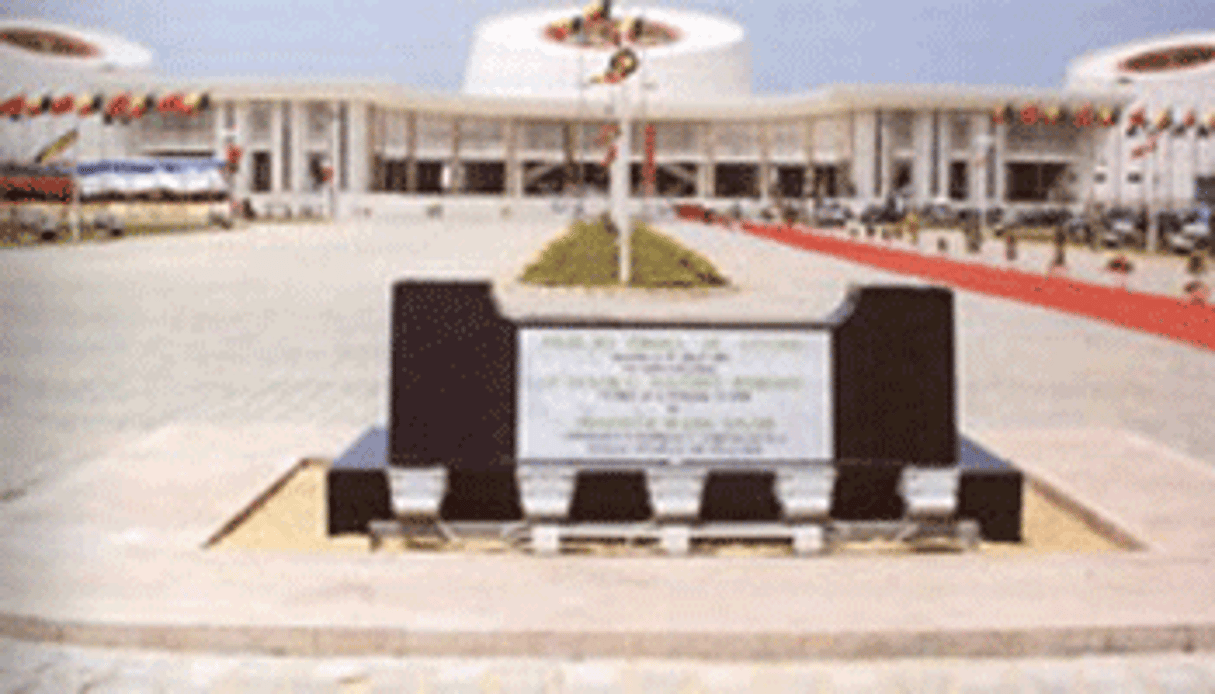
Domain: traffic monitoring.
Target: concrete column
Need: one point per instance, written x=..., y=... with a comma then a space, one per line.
x=765, y=163
x=359, y=152
x=706, y=180
x=1001, y=138
x=977, y=167
x=921, y=166
x=885, y=142
x=944, y=152
x=863, y=155
x=457, y=171
x=276, y=147
x=241, y=182
x=300, y=175
x=514, y=168
x=411, y=152
x=334, y=134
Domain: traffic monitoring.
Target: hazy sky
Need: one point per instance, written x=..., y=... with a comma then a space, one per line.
x=795, y=45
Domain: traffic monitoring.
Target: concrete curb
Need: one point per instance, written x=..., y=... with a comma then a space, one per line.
x=317, y=641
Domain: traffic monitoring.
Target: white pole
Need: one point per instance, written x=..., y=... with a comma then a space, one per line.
x=621, y=182
x=74, y=213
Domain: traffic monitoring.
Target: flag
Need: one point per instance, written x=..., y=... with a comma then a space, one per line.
x=1146, y=148
x=119, y=106
x=141, y=105
x=233, y=154
x=1084, y=117
x=89, y=104
x=1052, y=115
x=607, y=134
x=1186, y=122
x=57, y=147
x=1207, y=125
x=196, y=102
x=1136, y=119
x=38, y=107
x=610, y=156
x=172, y=103
x=13, y=107
x=634, y=26
x=1001, y=115
x=1163, y=119
x=1107, y=116
x=63, y=104
x=598, y=10
x=1029, y=114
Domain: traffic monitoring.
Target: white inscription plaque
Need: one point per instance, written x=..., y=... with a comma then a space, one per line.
x=675, y=394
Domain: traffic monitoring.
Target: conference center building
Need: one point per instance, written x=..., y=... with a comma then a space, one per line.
x=534, y=122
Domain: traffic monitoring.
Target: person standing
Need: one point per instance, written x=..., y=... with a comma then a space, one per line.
x=1059, y=263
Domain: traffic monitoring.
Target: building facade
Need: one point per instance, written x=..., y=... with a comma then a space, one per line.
x=1163, y=152
x=533, y=127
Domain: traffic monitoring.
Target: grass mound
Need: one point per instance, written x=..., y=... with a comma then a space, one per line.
x=586, y=257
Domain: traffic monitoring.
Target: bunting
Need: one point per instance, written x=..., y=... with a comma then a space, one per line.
x=124, y=106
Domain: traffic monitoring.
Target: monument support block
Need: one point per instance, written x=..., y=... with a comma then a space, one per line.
x=675, y=492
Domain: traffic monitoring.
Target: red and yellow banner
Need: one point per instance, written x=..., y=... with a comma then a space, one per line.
x=119, y=105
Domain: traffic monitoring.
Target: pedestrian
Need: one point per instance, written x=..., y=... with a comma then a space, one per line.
x=1010, y=246
x=1059, y=262
x=913, y=227
x=974, y=235
x=1121, y=267
x=1197, y=290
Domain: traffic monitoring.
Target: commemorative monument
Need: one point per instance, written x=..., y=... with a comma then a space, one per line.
x=572, y=429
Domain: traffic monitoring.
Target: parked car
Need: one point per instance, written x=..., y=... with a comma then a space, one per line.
x=1043, y=217
x=889, y=212
x=1124, y=227
x=1080, y=229
x=939, y=214
x=832, y=214
x=1193, y=231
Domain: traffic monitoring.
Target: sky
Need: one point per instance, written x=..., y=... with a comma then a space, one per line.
x=795, y=46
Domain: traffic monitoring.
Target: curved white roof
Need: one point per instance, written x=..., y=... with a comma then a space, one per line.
x=108, y=52
x=1162, y=59
x=511, y=56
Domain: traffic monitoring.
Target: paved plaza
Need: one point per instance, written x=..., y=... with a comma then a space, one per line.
x=115, y=346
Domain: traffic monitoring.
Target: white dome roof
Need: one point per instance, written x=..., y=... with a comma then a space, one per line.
x=1160, y=60
x=37, y=55
x=512, y=56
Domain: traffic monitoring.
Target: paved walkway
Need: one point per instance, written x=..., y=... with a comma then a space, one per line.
x=68, y=669
x=151, y=386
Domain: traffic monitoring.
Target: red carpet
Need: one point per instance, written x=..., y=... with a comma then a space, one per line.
x=1160, y=315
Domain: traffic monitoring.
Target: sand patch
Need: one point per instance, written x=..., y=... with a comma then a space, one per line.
x=292, y=518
